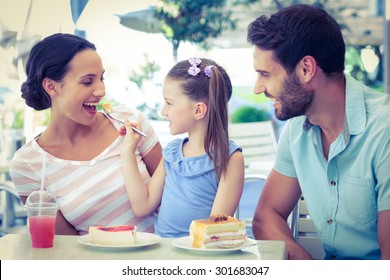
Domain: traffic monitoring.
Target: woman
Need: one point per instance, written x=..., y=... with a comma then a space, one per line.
x=79, y=151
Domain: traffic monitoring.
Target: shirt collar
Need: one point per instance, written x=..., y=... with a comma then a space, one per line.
x=355, y=107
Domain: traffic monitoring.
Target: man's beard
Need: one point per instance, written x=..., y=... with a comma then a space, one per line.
x=295, y=99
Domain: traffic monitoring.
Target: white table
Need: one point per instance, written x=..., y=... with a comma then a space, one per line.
x=18, y=247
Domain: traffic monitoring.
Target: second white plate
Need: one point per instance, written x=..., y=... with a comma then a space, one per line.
x=143, y=239
x=185, y=242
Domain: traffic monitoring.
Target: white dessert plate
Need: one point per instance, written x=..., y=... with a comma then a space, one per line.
x=185, y=242
x=143, y=239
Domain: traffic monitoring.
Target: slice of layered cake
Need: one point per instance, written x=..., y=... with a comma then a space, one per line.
x=113, y=235
x=218, y=231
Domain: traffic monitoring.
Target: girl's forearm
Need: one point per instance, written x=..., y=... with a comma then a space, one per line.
x=137, y=191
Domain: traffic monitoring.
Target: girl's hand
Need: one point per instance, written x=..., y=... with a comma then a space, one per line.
x=131, y=138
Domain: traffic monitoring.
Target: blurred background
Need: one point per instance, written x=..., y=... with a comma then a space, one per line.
x=139, y=41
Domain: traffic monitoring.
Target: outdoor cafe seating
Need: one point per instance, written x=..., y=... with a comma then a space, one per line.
x=15, y=244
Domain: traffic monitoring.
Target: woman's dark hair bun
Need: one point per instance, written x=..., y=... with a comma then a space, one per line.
x=33, y=93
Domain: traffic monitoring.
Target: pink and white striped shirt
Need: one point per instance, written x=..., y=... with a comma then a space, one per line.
x=88, y=192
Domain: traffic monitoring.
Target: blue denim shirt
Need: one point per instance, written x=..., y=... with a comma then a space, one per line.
x=344, y=193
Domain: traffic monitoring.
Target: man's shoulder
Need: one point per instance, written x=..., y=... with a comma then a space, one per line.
x=377, y=109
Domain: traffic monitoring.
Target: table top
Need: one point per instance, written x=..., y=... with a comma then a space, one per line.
x=18, y=247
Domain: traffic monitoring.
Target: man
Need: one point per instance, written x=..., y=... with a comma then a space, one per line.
x=335, y=147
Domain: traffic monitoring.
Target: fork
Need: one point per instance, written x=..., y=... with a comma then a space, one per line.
x=122, y=122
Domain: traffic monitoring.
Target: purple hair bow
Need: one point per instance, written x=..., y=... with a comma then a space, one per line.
x=207, y=70
x=194, y=69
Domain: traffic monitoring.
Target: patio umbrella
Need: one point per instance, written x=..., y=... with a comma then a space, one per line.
x=77, y=7
x=24, y=46
x=141, y=20
x=7, y=37
x=7, y=40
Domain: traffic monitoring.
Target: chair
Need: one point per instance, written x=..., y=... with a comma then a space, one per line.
x=257, y=140
x=12, y=212
x=305, y=232
x=253, y=186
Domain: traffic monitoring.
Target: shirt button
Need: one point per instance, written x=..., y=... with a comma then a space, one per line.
x=333, y=183
x=330, y=221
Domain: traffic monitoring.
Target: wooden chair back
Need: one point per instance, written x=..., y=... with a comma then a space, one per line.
x=305, y=232
x=257, y=140
x=254, y=183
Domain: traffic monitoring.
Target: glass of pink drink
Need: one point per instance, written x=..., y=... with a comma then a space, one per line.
x=42, y=212
x=42, y=230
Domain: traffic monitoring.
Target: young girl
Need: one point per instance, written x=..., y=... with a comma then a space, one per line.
x=200, y=175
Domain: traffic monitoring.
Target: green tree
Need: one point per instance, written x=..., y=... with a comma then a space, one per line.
x=250, y=114
x=145, y=73
x=193, y=21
